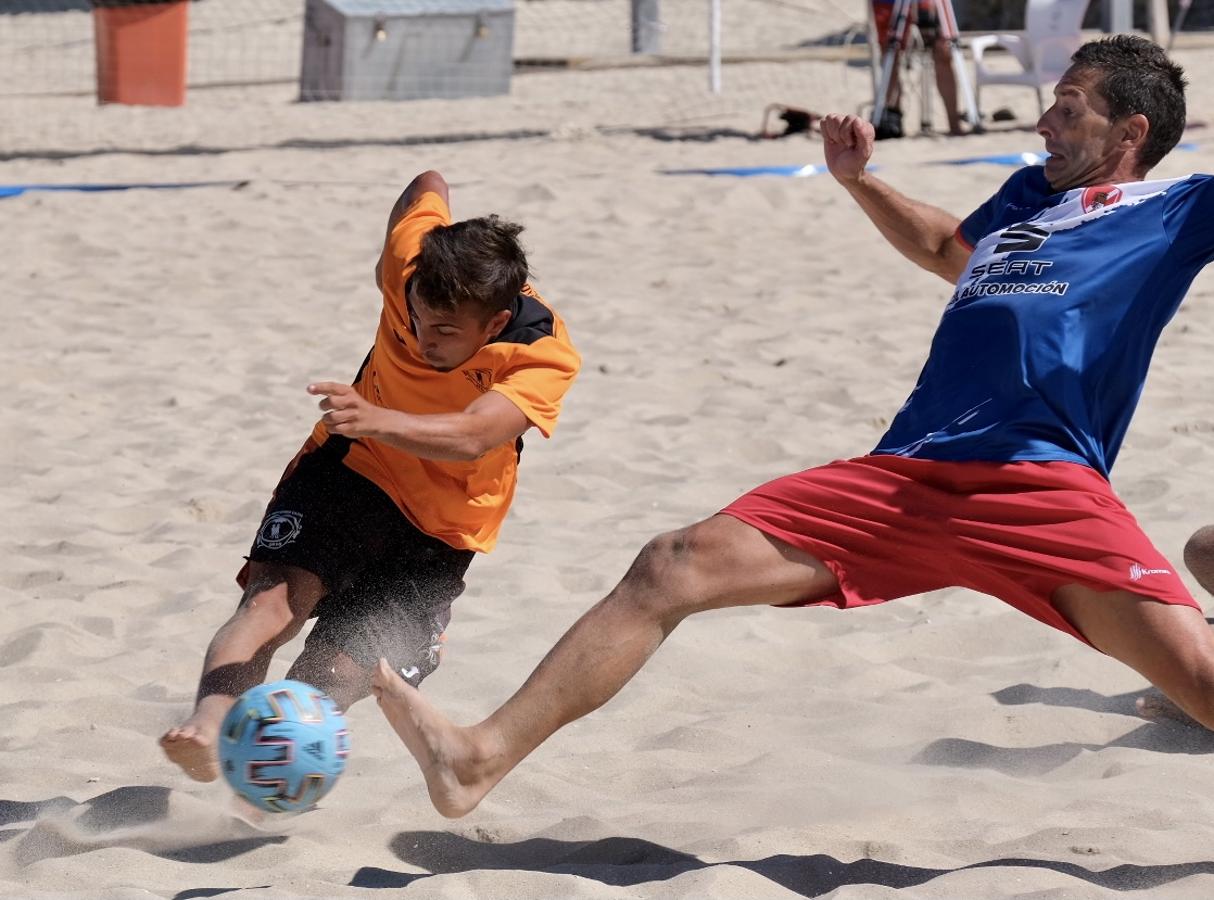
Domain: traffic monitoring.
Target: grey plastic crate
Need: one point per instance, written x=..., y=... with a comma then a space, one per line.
x=406, y=49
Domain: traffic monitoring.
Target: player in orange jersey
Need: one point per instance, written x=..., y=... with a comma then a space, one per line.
x=408, y=473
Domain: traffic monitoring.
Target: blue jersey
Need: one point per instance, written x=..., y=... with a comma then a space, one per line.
x=1043, y=350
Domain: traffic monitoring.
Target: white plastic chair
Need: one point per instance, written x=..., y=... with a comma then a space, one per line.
x=1043, y=49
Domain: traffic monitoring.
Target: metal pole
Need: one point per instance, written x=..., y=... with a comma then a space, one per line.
x=646, y=26
x=714, y=46
x=1117, y=16
x=1181, y=12
x=1157, y=21
x=927, y=87
x=874, y=50
x=948, y=24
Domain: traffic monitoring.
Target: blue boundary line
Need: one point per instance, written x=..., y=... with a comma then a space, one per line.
x=748, y=171
x=16, y=190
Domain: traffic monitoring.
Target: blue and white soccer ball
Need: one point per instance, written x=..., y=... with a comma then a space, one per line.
x=283, y=745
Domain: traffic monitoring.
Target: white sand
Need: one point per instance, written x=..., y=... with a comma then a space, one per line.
x=733, y=330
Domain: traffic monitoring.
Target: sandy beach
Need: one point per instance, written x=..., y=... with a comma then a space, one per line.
x=733, y=329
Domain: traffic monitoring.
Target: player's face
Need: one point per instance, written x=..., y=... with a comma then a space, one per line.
x=448, y=338
x=1079, y=136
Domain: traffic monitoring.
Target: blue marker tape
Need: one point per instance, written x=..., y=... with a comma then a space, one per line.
x=1015, y=159
x=749, y=171
x=16, y=190
x=1004, y=159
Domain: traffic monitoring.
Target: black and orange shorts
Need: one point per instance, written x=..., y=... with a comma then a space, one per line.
x=390, y=586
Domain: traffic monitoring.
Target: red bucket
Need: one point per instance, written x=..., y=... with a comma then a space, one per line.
x=141, y=53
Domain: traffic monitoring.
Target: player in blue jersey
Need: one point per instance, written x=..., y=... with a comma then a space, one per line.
x=993, y=475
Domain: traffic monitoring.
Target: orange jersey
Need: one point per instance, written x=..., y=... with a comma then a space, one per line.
x=531, y=363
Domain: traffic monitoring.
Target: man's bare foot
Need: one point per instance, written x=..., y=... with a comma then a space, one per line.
x=1157, y=707
x=457, y=770
x=192, y=747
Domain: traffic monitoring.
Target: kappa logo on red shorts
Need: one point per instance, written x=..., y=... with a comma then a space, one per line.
x=1100, y=195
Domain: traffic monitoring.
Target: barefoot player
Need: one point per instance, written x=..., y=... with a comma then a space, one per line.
x=992, y=476
x=407, y=475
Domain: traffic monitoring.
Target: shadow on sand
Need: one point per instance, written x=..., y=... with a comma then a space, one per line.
x=135, y=816
x=628, y=862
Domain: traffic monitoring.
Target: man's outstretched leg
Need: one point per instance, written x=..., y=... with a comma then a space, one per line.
x=946, y=84
x=274, y=608
x=717, y=563
x=1199, y=559
x=1170, y=645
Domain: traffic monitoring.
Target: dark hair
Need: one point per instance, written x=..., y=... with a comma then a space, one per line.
x=478, y=263
x=1136, y=76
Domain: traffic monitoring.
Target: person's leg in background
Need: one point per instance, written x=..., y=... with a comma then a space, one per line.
x=942, y=63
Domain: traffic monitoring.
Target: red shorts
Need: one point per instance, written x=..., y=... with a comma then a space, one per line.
x=890, y=527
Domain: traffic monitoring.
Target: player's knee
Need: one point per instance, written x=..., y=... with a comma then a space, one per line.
x=652, y=567
x=1197, y=699
x=265, y=609
x=667, y=577
x=1199, y=556
x=346, y=682
x=278, y=601
x=1201, y=545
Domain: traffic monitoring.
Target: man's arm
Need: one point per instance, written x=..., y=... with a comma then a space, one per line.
x=487, y=422
x=426, y=182
x=921, y=233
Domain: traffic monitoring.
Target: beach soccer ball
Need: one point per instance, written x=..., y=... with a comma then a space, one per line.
x=283, y=745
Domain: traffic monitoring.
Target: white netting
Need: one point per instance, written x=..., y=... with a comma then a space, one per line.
x=253, y=41
x=772, y=50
